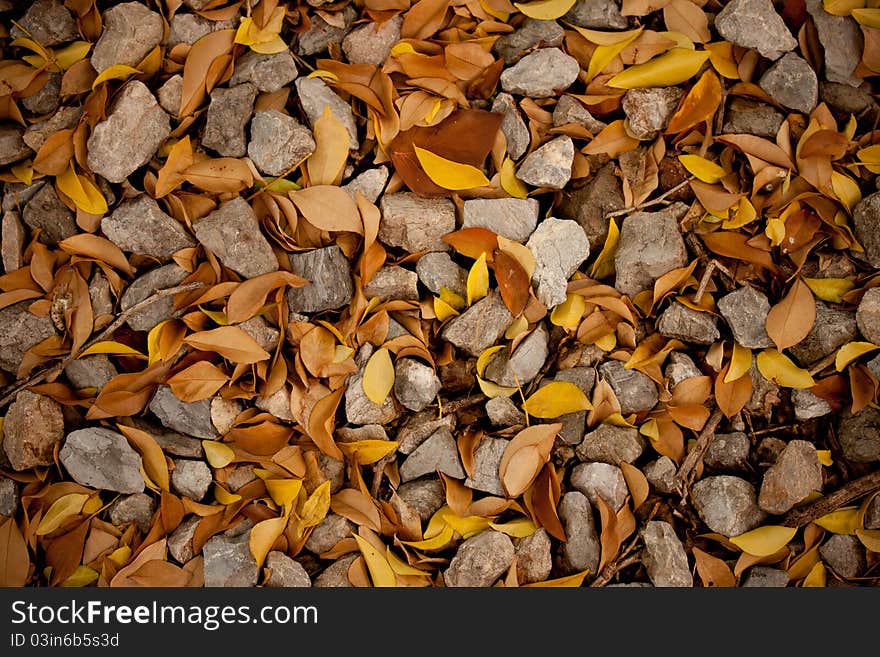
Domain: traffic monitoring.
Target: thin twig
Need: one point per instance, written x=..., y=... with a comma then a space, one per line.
x=704, y=281
x=695, y=456
x=10, y=391
x=825, y=505
x=621, y=562
x=660, y=200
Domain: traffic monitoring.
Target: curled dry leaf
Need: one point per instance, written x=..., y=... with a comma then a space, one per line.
x=525, y=456
x=230, y=342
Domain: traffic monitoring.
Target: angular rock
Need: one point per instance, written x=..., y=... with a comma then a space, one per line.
x=534, y=561
x=278, y=142
x=46, y=212
x=523, y=365
x=366, y=432
x=832, y=329
x=32, y=428
x=187, y=28
x=665, y=558
x=603, y=14
x=727, y=504
x=649, y=110
x=325, y=33
x=8, y=497
x=872, y=515
x=360, y=409
x=503, y=413
x=336, y=574
x=661, y=474
x=415, y=384
x=268, y=73
x=180, y=541
x=487, y=458
x=512, y=125
x=559, y=246
x=874, y=366
x=868, y=315
x=679, y=321
x=582, y=548
x=680, y=367
x=137, y=508
x=755, y=24
x=370, y=184
x=419, y=427
x=635, y=391
x=808, y=406
x=263, y=333
x=727, y=451
x=589, y=204
x=764, y=577
x=845, y=98
x=102, y=459
x=170, y=94
x=610, y=444
x=844, y=554
x=47, y=99
x=650, y=245
x=12, y=241
x=191, y=478
x=415, y=223
x=145, y=286
x=480, y=560
x=426, y=496
x=793, y=83
x=859, y=435
x=329, y=273
x=227, y=118
x=140, y=226
x=232, y=233
x=569, y=110
x=327, y=533
x=437, y=270
x=229, y=562
x=12, y=146
x=745, y=311
x=437, y=453
x=597, y=480
x=480, y=326
x=278, y=404
x=393, y=282
x=131, y=31
x=513, y=218
x=315, y=95
x=796, y=473
x=284, y=572
x=866, y=219
x=371, y=43
x=748, y=117
x=541, y=74
x=842, y=42
x=135, y=127
x=550, y=165
x=48, y=22
x=21, y=331
x=533, y=32
x=191, y=418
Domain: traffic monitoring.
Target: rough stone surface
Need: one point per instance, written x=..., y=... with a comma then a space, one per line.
x=284, y=572
x=808, y=406
x=661, y=474
x=12, y=146
x=650, y=245
x=438, y=453
x=263, y=333
x=549, y=165
x=131, y=31
x=415, y=384
x=102, y=459
x=418, y=427
x=679, y=321
x=845, y=555
x=12, y=241
x=541, y=74
x=480, y=326
x=360, y=409
x=846, y=98
x=189, y=28
x=371, y=43
x=139, y=225
x=792, y=83
x=327, y=533
x=502, y=412
x=665, y=558
x=487, y=458
x=8, y=497
x=227, y=119
x=232, y=233
x=534, y=561
x=755, y=24
x=597, y=480
x=37, y=133
x=415, y=223
x=532, y=33
x=137, y=508
x=49, y=22
x=842, y=42
x=748, y=117
x=582, y=549
x=268, y=73
x=480, y=560
x=229, y=562
x=393, y=282
x=610, y=444
x=278, y=142
x=635, y=391
x=144, y=286
x=47, y=99
x=603, y=14
x=21, y=331
x=680, y=367
x=180, y=541
x=170, y=94
x=745, y=311
x=859, y=435
x=32, y=428
x=315, y=95
x=191, y=478
x=425, y=495
x=322, y=34
x=512, y=125
x=648, y=110
x=336, y=574
x=329, y=273
x=513, y=218
x=134, y=128
x=523, y=365
x=191, y=418
x=832, y=329
x=569, y=110
x=46, y=211
x=796, y=473
x=765, y=577
x=866, y=219
x=727, y=451
x=589, y=204
x=868, y=315
x=437, y=270
x=559, y=246
x=727, y=504
x=370, y=184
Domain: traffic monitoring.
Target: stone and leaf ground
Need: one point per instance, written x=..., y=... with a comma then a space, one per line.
x=439, y=293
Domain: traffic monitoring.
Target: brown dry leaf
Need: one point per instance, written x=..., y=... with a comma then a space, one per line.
x=99, y=248
x=524, y=456
x=700, y=104
x=636, y=482
x=170, y=176
x=686, y=17
x=712, y=570
x=199, y=381
x=790, y=320
x=424, y=18
x=154, y=461
x=513, y=282
x=230, y=342
x=15, y=562
x=327, y=163
x=330, y=208
x=250, y=296
x=197, y=69
x=322, y=422
x=473, y=242
x=219, y=175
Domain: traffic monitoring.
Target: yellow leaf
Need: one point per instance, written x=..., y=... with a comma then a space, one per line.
x=721, y=57
x=92, y=505
x=492, y=390
x=703, y=169
x=443, y=310
x=568, y=314
x=846, y=189
x=870, y=538
x=606, y=52
x=283, y=491
x=744, y=213
x=817, y=576
x=63, y=508
x=23, y=172
x=224, y=496
x=575, y=581
x=326, y=164
x=219, y=455
x=764, y=541
x=400, y=567
x=867, y=17
x=315, y=509
x=604, y=265
x=378, y=376
x=825, y=457
x=779, y=369
x=478, y=280
x=842, y=7
x=775, y=230
x=120, y=556
x=830, y=289
x=555, y=399
x=437, y=542
x=448, y=174
x=82, y=576
x=263, y=536
x=509, y=182
x=365, y=452
x=155, y=465
x=740, y=363
x=850, y=351
x=82, y=192
x=607, y=342
x=519, y=252
x=518, y=528
x=545, y=10
x=842, y=521
x=272, y=47
x=870, y=156
x=670, y=68
x=113, y=348
x=115, y=72
x=517, y=326
x=250, y=34
x=453, y=300
x=380, y=570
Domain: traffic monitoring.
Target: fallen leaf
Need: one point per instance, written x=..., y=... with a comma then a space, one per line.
x=713, y=571
x=764, y=541
x=545, y=10
x=327, y=163
x=230, y=342
x=199, y=381
x=378, y=376
x=263, y=536
x=218, y=454
x=842, y=521
x=555, y=399
x=525, y=456
x=791, y=320
x=62, y=509
x=670, y=68
x=380, y=570
x=851, y=351
x=779, y=369
x=327, y=207
x=478, y=280
x=448, y=174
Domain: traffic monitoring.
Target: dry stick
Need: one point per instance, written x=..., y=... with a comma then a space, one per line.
x=695, y=456
x=621, y=562
x=10, y=392
x=704, y=281
x=660, y=200
x=824, y=505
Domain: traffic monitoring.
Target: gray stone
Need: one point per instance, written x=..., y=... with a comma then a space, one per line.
x=793, y=83
x=513, y=218
x=603, y=14
x=315, y=95
x=12, y=146
x=597, y=480
x=420, y=426
x=512, y=125
x=480, y=560
x=745, y=311
x=191, y=478
x=46, y=212
x=511, y=47
x=170, y=94
x=12, y=241
x=438, y=453
x=336, y=574
x=32, y=428
x=48, y=22
x=437, y=270
x=371, y=43
x=487, y=458
x=534, y=560
x=480, y=326
x=360, y=409
x=727, y=451
x=570, y=110
x=327, y=533
x=868, y=315
x=635, y=391
x=425, y=495
x=755, y=24
x=524, y=364
x=229, y=562
x=752, y=118
x=21, y=331
x=859, y=435
x=171, y=442
x=244, y=475
x=180, y=541
x=550, y=165
x=366, y=432
x=841, y=40
x=131, y=31
x=679, y=321
x=832, y=329
x=393, y=282
x=137, y=508
x=589, y=204
x=872, y=515
x=765, y=577
x=227, y=119
x=322, y=34
x=278, y=404
x=145, y=286
x=102, y=459
x=90, y=372
x=415, y=223
x=284, y=572
x=845, y=98
x=9, y=498
x=187, y=28
x=866, y=225
x=665, y=558
x=47, y=99
x=415, y=384
x=541, y=74
x=278, y=142
x=502, y=412
x=611, y=444
x=232, y=233
x=102, y=298
x=140, y=226
x=263, y=333
x=370, y=184
x=765, y=394
x=727, y=504
x=649, y=110
x=661, y=474
x=191, y=418
x=796, y=473
x=581, y=549
x=329, y=273
x=650, y=245
x=134, y=128
x=573, y=424
x=268, y=73
x=680, y=367
x=559, y=246
x=874, y=366
x=845, y=555
x=808, y=406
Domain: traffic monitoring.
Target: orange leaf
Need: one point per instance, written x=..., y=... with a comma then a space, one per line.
x=700, y=103
x=199, y=381
x=790, y=320
x=330, y=208
x=525, y=455
x=230, y=342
